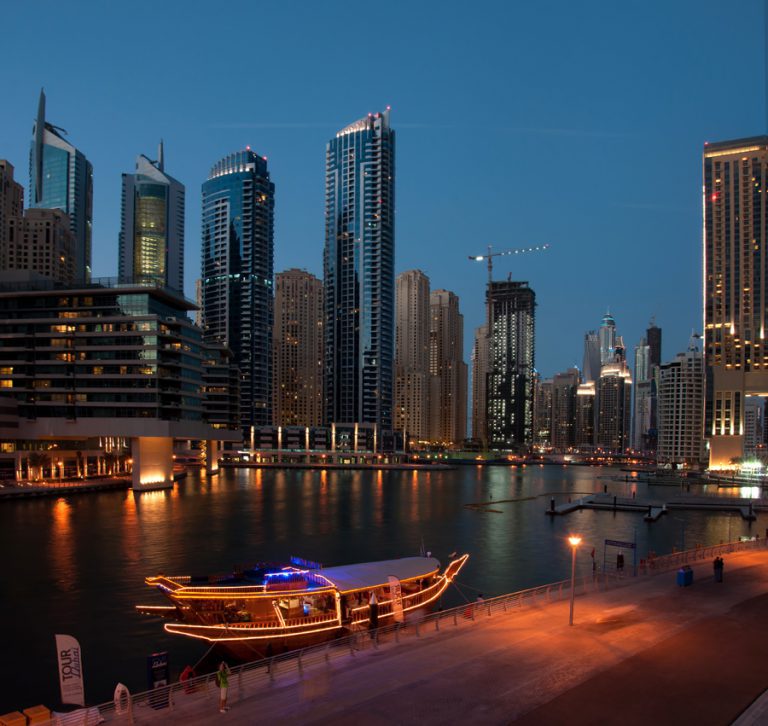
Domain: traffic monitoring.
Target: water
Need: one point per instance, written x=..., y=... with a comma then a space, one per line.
x=76, y=564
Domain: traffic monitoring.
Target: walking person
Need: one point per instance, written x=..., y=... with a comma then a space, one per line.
x=222, y=681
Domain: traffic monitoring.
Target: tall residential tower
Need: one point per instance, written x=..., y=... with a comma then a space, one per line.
x=60, y=177
x=510, y=365
x=735, y=289
x=298, y=349
x=237, y=269
x=412, y=354
x=359, y=263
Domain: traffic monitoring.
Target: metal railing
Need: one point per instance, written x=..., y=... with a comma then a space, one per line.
x=246, y=680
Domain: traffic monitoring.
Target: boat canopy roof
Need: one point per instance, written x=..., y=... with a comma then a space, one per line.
x=374, y=574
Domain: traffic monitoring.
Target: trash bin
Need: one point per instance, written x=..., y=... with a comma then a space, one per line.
x=684, y=576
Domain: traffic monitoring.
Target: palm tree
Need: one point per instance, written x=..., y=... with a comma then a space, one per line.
x=36, y=461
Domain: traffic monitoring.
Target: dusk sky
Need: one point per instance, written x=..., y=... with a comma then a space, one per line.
x=580, y=125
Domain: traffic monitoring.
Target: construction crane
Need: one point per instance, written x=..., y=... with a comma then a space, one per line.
x=491, y=254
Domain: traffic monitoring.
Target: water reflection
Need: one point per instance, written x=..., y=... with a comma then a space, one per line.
x=62, y=551
x=211, y=524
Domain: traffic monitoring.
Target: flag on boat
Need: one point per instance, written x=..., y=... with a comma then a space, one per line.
x=396, y=592
x=70, y=670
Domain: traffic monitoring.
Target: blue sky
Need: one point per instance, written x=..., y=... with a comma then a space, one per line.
x=577, y=124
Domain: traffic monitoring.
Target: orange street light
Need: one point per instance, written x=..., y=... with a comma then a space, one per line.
x=574, y=541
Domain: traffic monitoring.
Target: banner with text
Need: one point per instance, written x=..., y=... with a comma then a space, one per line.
x=70, y=670
x=396, y=591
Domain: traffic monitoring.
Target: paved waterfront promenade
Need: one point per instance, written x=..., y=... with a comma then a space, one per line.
x=648, y=652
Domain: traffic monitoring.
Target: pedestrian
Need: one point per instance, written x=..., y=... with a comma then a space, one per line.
x=718, y=568
x=222, y=681
x=187, y=674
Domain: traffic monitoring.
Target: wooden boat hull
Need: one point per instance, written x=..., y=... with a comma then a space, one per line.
x=252, y=640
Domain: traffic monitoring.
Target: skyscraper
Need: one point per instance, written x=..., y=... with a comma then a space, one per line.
x=592, y=362
x=479, y=383
x=542, y=411
x=681, y=408
x=584, y=434
x=510, y=367
x=237, y=269
x=358, y=265
x=412, y=319
x=448, y=371
x=564, y=387
x=152, y=225
x=11, y=199
x=40, y=241
x=641, y=418
x=60, y=177
x=614, y=401
x=607, y=339
x=735, y=290
x=298, y=349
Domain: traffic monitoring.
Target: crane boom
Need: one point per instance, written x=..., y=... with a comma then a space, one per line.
x=515, y=251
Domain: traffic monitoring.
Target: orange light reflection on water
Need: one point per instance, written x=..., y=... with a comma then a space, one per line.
x=62, y=550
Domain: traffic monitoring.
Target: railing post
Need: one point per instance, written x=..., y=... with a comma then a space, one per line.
x=455, y=619
x=489, y=610
x=170, y=697
x=271, y=669
x=299, y=664
x=417, y=631
x=437, y=624
x=240, y=683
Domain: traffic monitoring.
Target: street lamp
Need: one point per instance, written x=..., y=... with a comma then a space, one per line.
x=574, y=541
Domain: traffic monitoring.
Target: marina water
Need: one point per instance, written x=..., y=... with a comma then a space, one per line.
x=76, y=564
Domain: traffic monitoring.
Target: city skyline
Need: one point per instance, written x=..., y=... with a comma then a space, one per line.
x=549, y=115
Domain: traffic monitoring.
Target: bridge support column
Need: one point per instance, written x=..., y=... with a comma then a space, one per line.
x=212, y=456
x=152, y=462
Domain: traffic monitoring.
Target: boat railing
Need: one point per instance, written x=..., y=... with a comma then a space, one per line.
x=200, y=694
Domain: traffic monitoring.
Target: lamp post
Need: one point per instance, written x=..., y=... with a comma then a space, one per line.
x=574, y=541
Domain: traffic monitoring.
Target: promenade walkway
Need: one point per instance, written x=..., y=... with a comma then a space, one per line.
x=648, y=652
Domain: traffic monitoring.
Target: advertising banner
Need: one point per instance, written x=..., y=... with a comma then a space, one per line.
x=70, y=670
x=396, y=592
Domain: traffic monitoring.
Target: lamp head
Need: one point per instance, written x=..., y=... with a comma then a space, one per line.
x=574, y=540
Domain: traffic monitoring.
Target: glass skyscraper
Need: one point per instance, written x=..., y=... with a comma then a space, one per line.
x=152, y=225
x=358, y=263
x=237, y=272
x=60, y=177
